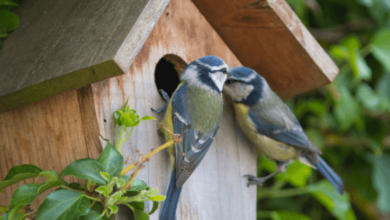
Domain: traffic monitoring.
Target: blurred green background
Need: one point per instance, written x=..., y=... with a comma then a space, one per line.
x=348, y=119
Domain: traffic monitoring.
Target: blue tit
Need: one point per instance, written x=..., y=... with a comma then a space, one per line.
x=195, y=112
x=271, y=125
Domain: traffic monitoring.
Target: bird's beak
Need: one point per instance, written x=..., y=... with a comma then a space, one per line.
x=229, y=75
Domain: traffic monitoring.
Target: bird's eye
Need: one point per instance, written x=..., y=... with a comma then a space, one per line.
x=228, y=81
x=224, y=71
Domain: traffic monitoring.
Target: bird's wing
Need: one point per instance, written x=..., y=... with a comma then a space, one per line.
x=273, y=118
x=194, y=144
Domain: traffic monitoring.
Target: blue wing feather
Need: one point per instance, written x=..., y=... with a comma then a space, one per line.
x=194, y=143
x=276, y=121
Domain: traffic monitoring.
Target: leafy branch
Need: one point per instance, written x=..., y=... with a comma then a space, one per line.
x=106, y=189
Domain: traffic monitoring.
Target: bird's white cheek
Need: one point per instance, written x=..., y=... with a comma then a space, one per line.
x=219, y=79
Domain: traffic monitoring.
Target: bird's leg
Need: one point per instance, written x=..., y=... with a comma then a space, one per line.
x=253, y=180
x=166, y=102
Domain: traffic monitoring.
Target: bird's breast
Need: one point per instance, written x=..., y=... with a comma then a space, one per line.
x=204, y=108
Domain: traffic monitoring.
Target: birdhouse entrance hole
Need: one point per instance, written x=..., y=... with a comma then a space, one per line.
x=168, y=70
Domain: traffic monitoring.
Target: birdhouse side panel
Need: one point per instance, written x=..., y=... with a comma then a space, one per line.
x=49, y=134
x=217, y=189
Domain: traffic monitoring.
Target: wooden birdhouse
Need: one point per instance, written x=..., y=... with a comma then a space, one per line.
x=71, y=64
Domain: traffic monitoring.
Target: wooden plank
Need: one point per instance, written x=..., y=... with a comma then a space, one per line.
x=89, y=121
x=50, y=134
x=267, y=36
x=216, y=190
x=64, y=45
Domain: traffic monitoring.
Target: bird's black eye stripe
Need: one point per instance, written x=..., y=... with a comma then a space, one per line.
x=228, y=81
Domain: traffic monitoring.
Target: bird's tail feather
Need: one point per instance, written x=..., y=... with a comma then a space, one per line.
x=329, y=174
x=170, y=204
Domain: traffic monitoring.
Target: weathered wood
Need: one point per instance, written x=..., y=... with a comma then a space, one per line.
x=217, y=189
x=64, y=45
x=267, y=36
x=50, y=134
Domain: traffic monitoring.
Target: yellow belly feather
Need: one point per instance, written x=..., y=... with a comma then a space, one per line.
x=273, y=149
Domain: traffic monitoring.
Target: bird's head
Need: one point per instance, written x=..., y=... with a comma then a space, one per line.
x=208, y=72
x=245, y=86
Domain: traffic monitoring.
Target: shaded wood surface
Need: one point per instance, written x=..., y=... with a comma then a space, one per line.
x=49, y=134
x=267, y=36
x=64, y=45
x=216, y=190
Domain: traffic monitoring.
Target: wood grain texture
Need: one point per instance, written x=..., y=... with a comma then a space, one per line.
x=49, y=134
x=267, y=36
x=216, y=190
x=60, y=45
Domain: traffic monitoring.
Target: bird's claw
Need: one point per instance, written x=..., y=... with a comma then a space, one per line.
x=253, y=180
x=166, y=102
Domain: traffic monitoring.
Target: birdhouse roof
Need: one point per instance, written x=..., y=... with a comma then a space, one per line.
x=64, y=45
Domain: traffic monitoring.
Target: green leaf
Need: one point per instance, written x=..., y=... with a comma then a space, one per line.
x=317, y=107
x=137, y=185
x=157, y=198
x=86, y=168
x=51, y=174
x=381, y=47
x=8, y=3
x=112, y=160
x=117, y=116
x=367, y=3
x=360, y=67
x=24, y=195
x=368, y=97
x=7, y=216
x=8, y=21
x=297, y=174
x=383, y=90
x=3, y=209
x=381, y=180
x=113, y=209
x=284, y=215
x=105, y=176
x=128, y=120
x=93, y=215
x=329, y=197
x=19, y=173
x=347, y=110
x=154, y=208
x=3, y=34
x=103, y=190
x=138, y=212
x=63, y=205
x=145, y=118
x=340, y=52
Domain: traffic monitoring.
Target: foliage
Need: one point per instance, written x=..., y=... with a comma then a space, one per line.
x=107, y=186
x=348, y=119
x=9, y=21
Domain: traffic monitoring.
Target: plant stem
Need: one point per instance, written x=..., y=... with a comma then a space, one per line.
x=116, y=135
x=146, y=157
x=92, y=198
x=365, y=50
x=281, y=193
x=27, y=214
x=131, y=131
x=131, y=178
